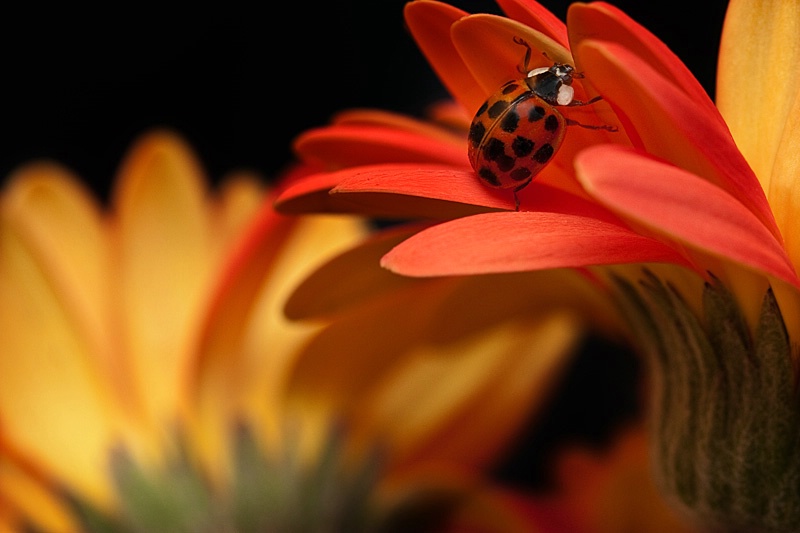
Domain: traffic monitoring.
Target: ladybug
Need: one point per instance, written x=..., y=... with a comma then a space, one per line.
x=518, y=130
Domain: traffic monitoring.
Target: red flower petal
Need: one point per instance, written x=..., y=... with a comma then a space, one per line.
x=352, y=144
x=536, y=16
x=685, y=207
x=429, y=23
x=601, y=21
x=510, y=242
x=671, y=125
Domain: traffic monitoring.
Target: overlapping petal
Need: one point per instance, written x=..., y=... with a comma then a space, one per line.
x=509, y=242
x=683, y=206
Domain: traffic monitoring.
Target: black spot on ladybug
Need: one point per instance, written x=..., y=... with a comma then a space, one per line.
x=520, y=174
x=544, y=153
x=505, y=162
x=482, y=109
x=522, y=146
x=493, y=149
x=510, y=88
x=536, y=113
x=551, y=123
x=476, y=132
x=497, y=108
x=510, y=121
x=489, y=177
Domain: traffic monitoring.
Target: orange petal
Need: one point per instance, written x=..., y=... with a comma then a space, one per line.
x=682, y=206
x=429, y=23
x=486, y=44
x=163, y=256
x=352, y=144
x=784, y=192
x=758, y=80
x=534, y=15
x=511, y=242
x=56, y=403
x=671, y=125
x=396, y=121
x=350, y=279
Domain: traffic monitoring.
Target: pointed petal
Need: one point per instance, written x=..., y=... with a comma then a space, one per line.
x=758, y=80
x=351, y=144
x=600, y=21
x=511, y=242
x=429, y=23
x=164, y=245
x=666, y=122
x=537, y=17
x=55, y=403
x=682, y=206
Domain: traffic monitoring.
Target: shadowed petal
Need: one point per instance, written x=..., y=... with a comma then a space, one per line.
x=510, y=242
x=351, y=144
x=758, y=79
x=662, y=119
x=602, y=21
x=683, y=206
x=429, y=23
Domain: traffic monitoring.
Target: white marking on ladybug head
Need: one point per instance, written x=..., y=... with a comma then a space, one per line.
x=537, y=71
x=565, y=95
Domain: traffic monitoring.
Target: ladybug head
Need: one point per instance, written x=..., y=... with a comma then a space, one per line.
x=553, y=84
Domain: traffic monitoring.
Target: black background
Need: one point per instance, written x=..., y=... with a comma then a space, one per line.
x=238, y=82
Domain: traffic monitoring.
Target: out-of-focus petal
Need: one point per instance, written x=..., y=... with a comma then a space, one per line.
x=241, y=196
x=440, y=403
x=25, y=497
x=536, y=16
x=784, y=191
x=758, y=79
x=429, y=23
x=350, y=279
x=351, y=144
x=55, y=402
x=163, y=255
x=602, y=21
x=510, y=242
x=683, y=206
x=663, y=120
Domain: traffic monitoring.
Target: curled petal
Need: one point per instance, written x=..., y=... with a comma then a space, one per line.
x=666, y=122
x=536, y=16
x=758, y=79
x=682, y=206
x=602, y=21
x=512, y=242
x=429, y=23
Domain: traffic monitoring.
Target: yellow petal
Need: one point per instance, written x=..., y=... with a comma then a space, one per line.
x=163, y=262
x=239, y=199
x=758, y=77
x=54, y=400
x=784, y=191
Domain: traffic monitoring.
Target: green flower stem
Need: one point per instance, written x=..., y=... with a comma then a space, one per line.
x=725, y=412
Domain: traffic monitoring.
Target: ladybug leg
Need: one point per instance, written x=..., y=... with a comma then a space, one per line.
x=605, y=127
x=523, y=68
x=588, y=102
x=516, y=198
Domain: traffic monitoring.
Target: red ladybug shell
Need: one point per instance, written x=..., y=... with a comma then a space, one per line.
x=514, y=134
